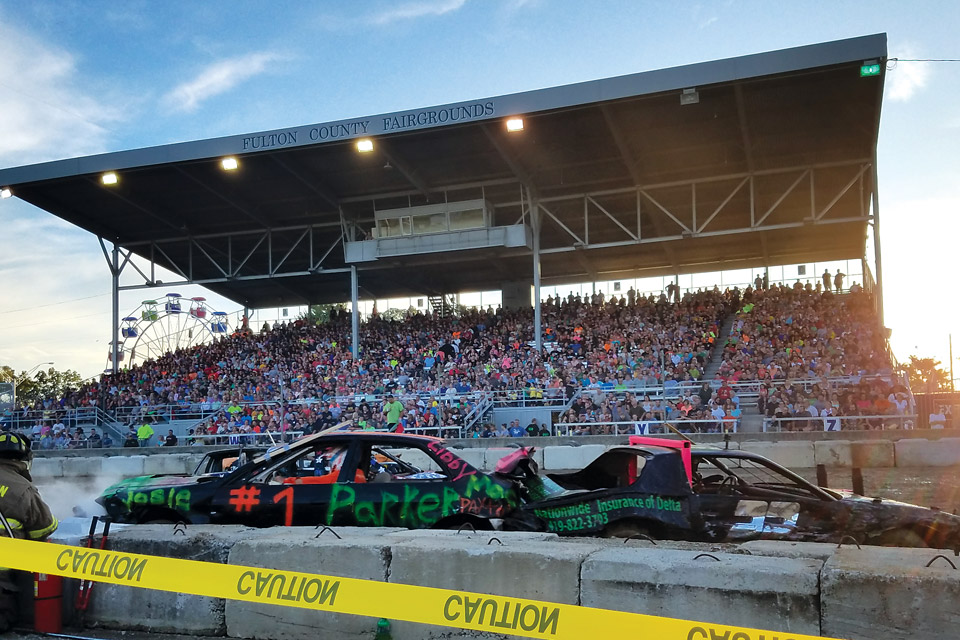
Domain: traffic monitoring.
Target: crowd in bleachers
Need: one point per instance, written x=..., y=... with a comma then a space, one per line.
x=293, y=377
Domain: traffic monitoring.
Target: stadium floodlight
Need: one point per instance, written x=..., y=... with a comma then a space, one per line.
x=109, y=178
x=6, y=193
x=515, y=124
x=229, y=164
x=365, y=145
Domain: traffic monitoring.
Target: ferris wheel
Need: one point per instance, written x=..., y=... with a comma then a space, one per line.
x=158, y=327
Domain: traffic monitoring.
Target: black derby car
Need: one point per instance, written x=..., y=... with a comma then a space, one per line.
x=338, y=478
x=668, y=489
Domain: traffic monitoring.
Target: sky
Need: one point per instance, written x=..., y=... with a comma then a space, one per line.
x=79, y=77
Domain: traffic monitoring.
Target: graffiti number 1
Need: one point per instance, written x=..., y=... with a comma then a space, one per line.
x=288, y=510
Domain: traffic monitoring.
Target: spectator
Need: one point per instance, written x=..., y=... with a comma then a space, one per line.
x=170, y=440
x=533, y=429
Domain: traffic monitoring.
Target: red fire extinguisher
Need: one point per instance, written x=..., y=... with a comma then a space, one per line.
x=47, y=603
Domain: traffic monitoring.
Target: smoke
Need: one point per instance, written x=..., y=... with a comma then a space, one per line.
x=70, y=497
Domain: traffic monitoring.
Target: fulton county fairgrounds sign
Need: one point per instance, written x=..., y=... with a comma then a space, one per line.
x=392, y=123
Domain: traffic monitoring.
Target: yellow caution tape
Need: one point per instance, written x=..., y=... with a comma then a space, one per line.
x=427, y=605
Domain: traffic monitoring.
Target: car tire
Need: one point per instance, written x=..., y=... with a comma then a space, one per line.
x=901, y=538
x=626, y=529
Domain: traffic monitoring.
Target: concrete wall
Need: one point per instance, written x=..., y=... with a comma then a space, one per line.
x=553, y=454
x=800, y=588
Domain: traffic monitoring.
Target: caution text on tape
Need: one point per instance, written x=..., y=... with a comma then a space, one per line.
x=411, y=603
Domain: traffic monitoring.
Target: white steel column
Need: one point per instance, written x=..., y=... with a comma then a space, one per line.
x=355, y=307
x=878, y=276
x=537, y=322
x=115, y=315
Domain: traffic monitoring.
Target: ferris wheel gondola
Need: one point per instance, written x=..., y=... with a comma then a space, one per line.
x=156, y=328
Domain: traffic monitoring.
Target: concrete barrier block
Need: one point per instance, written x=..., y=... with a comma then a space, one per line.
x=919, y=452
x=506, y=570
x=123, y=466
x=193, y=459
x=131, y=608
x=417, y=458
x=793, y=455
x=570, y=458
x=833, y=453
x=166, y=463
x=363, y=555
x=47, y=468
x=473, y=455
x=493, y=455
x=870, y=454
x=779, y=594
x=889, y=593
x=76, y=467
x=783, y=549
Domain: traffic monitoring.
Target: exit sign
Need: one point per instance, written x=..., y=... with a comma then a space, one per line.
x=869, y=70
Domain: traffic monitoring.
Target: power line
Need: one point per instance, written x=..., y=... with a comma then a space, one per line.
x=924, y=60
x=53, y=304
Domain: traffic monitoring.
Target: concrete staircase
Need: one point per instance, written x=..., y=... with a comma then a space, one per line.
x=716, y=358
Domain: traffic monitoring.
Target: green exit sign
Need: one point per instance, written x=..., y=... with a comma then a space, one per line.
x=869, y=70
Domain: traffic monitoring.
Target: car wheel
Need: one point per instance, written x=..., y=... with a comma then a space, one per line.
x=626, y=529
x=901, y=538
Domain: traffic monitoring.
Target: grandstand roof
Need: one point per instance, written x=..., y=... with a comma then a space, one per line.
x=769, y=160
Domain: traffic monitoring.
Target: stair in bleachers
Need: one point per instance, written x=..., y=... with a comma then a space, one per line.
x=716, y=358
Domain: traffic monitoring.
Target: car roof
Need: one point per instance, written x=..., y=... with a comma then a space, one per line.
x=369, y=436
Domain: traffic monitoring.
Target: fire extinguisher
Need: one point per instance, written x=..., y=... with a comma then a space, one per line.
x=47, y=603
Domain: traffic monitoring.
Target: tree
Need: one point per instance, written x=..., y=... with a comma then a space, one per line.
x=925, y=375
x=44, y=384
x=320, y=313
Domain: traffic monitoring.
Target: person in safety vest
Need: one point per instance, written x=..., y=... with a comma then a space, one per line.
x=25, y=515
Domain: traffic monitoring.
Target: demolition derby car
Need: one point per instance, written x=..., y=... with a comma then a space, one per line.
x=336, y=478
x=668, y=489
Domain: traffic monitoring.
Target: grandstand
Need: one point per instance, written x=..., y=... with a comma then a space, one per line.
x=750, y=162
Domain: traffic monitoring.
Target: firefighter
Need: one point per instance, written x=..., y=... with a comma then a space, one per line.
x=24, y=512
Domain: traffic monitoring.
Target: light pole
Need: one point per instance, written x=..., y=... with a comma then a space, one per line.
x=16, y=380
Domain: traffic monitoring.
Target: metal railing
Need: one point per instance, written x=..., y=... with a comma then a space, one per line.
x=839, y=423
x=647, y=427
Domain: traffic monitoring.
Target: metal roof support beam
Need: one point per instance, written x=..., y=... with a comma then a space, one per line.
x=231, y=234
x=615, y=221
x=194, y=243
x=512, y=161
x=229, y=200
x=408, y=172
x=234, y=272
x=206, y=281
x=557, y=220
x=625, y=153
x=316, y=266
x=664, y=209
x=843, y=192
x=172, y=262
x=700, y=181
x=707, y=234
x=165, y=218
x=744, y=128
x=721, y=205
x=128, y=259
x=782, y=197
x=289, y=251
x=313, y=184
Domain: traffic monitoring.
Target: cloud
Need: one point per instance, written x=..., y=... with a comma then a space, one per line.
x=46, y=111
x=412, y=10
x=906, y=78
x=219, y=78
